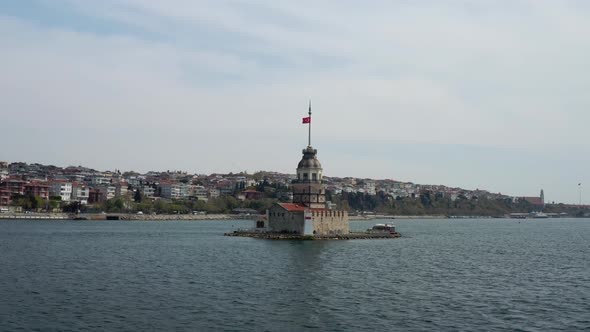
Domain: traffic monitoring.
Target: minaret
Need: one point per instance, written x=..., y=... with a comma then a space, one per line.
x=308, y=188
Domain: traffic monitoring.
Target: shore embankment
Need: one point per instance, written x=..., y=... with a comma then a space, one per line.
x=376, y=217
x=159, y=217
x=119, y=216
x=34, y=216
x=155, y=217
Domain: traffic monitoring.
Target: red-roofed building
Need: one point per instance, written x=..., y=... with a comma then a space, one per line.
x=252, y=194
x=5, y=197
x=94, y=196
x=292, y=207
x=39, y=189
x=292, y=218
x=534, y=200
x=15, y=186
x=538, y=202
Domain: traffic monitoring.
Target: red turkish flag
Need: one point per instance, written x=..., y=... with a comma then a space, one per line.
x=307, y=119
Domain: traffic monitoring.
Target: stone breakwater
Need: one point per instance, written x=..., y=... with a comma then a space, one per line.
x=349, y=236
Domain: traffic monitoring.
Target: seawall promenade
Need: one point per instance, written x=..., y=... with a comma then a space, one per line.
x=27, y=216
x=373, y=217
x=118, y=216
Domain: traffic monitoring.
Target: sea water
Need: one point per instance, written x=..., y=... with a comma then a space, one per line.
x=467, y=274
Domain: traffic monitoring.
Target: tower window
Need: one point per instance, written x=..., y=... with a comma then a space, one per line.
x=314, y=176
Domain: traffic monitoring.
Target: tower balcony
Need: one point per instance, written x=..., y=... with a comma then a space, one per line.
x=307, y=181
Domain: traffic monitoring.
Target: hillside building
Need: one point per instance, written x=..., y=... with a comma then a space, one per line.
x=80, y=193
x=39, y=189
x=62, y=189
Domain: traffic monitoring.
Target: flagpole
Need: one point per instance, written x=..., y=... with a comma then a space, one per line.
x=309, y=134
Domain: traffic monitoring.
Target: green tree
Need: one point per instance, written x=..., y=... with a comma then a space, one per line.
x=36, y=202
x=54, y=202
x=72, y=207
x=137, y=196
x=118, y=204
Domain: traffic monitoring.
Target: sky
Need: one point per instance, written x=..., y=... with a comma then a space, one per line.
x=486, y=94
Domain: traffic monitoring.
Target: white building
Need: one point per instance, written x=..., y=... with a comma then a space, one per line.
x=3, y=174
x=148, y=191
x=106, y=192
x=214, y=193
x=369, y=188
x=62, y=189
x=121, y=189
x=76, y=177
x=174, y=190
x=80, y=193
x=336, y=190
x=200, y=193
x=100, y=180
x=134, y=180
x=348, y=189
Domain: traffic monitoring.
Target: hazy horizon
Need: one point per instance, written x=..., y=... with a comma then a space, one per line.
x=489, y=95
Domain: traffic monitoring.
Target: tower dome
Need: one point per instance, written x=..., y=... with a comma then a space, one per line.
x=309, y=159
x=309, y=168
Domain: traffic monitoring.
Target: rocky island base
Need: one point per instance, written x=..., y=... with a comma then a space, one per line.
x=283, y=236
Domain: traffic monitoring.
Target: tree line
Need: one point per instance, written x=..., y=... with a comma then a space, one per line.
x=427, y=203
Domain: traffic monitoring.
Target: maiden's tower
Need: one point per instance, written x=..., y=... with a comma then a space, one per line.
x=308, y=214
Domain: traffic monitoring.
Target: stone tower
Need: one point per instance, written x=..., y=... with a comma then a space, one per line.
x=308, y=189
x=307, y=215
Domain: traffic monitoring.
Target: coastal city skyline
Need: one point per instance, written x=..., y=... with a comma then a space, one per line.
x=205, y=186
x=466, y=95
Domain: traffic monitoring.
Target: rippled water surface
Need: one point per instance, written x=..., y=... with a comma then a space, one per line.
x=531, y=275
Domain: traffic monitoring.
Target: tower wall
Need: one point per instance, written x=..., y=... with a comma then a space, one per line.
x=282, y=221
x=325, y=222
x=312, y=195
x=330, y=222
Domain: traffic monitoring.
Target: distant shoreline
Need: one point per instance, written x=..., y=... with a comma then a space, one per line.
x=119, y=216
x=155, y=217
x=363, y=218
x=163, y=217
x=197, y=217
